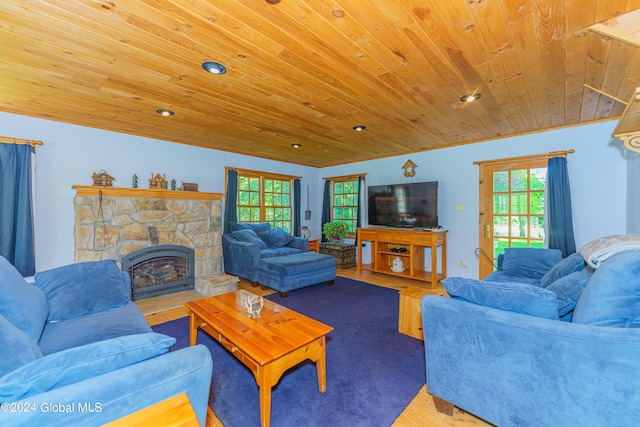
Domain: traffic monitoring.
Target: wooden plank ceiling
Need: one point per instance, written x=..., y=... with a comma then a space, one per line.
x=307, y=71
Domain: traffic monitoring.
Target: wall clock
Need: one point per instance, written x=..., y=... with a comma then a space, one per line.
x=409, y=168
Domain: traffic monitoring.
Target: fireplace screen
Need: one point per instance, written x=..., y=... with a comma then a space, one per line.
x=159, y=270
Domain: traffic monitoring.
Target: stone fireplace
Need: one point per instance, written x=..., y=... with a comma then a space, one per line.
x=113, y=223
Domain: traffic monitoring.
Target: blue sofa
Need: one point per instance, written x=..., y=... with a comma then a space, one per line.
x=74, y=350
x=516, y=354
x=246, y=244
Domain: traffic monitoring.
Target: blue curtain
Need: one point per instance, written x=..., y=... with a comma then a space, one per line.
x=326, y=207
x=296, y=207
x=16, y=210
x=559, y=230
x=230, y=213
x=359, y=211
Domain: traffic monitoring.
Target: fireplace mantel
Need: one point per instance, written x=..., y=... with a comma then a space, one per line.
x=143, y=193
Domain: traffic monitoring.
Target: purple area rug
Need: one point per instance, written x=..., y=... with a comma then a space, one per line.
x=373, y=371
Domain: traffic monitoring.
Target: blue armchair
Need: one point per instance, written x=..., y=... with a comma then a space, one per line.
x=516, y=354
x=246, y=244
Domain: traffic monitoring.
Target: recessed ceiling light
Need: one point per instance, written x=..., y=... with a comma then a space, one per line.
x=214, y=67
x=165, y=113
x=296, y=145
x=359, y=128
x=471, y=97
x=273, y=1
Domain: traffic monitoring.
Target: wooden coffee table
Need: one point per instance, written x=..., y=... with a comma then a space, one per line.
x=269, y=345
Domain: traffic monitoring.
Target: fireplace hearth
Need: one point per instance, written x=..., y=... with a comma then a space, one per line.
x=159, y=270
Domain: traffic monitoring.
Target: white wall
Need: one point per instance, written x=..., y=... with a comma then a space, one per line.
x=597, y=171
x=70, y=155
x=633, y=192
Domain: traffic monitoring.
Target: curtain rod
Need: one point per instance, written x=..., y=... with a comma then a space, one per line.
x=254, y=172
x=347, y=177
x=7, y=140
x=561, y=153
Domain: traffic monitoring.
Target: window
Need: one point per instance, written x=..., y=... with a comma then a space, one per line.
x=264, y=197
x=344, y=206
x=518, y=208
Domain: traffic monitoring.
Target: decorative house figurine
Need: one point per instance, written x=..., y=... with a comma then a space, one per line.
x=189, y=186
x=134, y=181
x=103, y=179
x=409, y=168
x=158, y=181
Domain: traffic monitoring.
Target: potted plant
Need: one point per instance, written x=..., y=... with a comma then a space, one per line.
x=335, y=231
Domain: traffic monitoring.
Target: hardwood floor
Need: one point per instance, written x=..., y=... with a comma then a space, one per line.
x=420, y=412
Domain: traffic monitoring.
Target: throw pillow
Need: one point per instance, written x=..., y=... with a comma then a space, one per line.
x=530, y=262
x=568, y=265
x=517, y=297
x=249, y=236
x=612, y=295
x=568, y=289
x=16, y=349
x=79, y=363
x=83, y=288
x=21, y=303
x=276, y=238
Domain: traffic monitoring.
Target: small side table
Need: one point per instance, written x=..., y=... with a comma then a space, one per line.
x=314, y=245
x=178, y=409
x=409, y=312
x=345, y=254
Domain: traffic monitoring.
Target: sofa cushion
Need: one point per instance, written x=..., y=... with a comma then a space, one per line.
x=82, y=288
x=530, y=262
x=518, y=297
x=276, y=252
x=500, y=276
x=276, y=237
x=259, y=227
x=568, y=265
x=117, y=322
x=16, y=349
x=612, y=295
x=569, y=289
x=249, y=236
x=21, y=303
x=79, y=363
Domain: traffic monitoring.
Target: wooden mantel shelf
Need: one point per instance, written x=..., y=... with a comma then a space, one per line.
x=143, y=193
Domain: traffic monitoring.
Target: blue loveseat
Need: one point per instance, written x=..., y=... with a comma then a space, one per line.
x=517, y=354
x=74, y=350
x=246, y=244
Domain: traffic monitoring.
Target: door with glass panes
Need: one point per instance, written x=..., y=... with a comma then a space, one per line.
x=512, y=196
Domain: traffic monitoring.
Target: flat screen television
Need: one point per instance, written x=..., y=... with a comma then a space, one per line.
x=404, y=205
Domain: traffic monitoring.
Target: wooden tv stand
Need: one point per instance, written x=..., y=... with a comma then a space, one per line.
x=384, y=239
